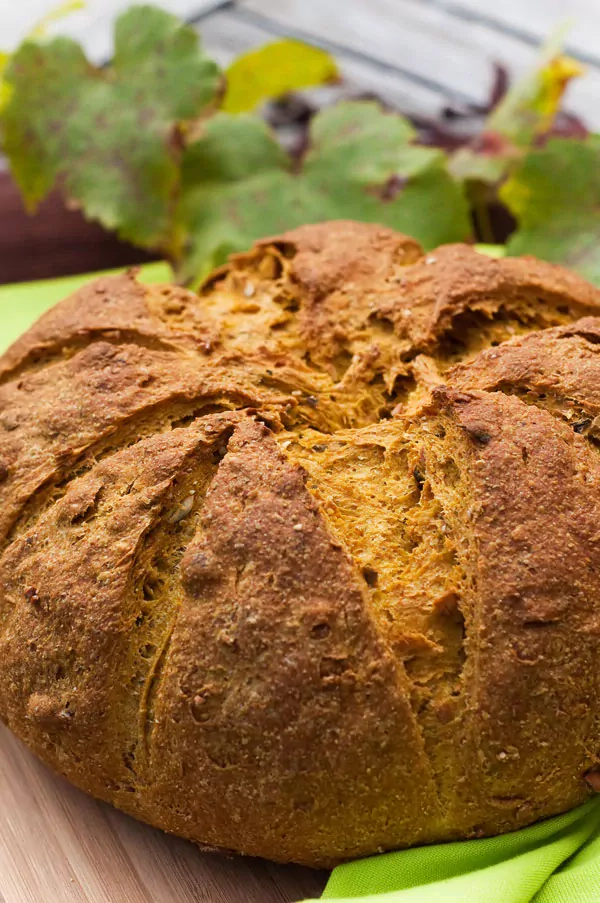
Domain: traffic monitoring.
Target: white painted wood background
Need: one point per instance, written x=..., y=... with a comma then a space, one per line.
x=419, y=54
x=56, y=845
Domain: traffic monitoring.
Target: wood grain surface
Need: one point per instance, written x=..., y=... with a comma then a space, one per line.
x=54, y=242
x=59, y=846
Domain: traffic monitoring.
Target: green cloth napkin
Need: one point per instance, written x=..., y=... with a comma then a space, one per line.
x=554, y=861
x=22, y=304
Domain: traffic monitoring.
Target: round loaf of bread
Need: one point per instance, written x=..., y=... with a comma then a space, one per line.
x=305, y=566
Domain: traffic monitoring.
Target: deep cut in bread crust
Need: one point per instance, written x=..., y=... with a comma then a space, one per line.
x=304, y=566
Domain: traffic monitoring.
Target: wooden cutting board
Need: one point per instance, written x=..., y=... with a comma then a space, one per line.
x=59, y=846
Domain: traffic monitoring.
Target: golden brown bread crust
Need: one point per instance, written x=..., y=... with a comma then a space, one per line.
x=305, y=566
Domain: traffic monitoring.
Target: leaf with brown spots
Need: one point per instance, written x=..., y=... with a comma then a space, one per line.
x=111, y=137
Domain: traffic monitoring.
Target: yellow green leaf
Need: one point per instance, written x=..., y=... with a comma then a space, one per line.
x=529, y=108
x=5, y=89
x=55, y=14
x=526, y=112
x=273, y=70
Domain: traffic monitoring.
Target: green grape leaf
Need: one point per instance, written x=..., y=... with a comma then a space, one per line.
x=364, y=141
x=110, y=136
x=555, y=196
x=273, y=70
x=239, y=185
